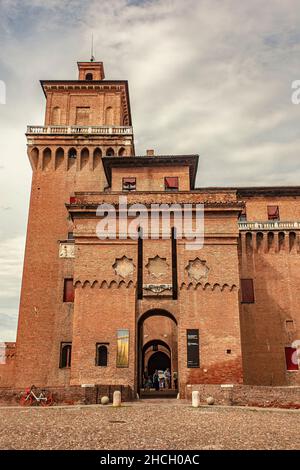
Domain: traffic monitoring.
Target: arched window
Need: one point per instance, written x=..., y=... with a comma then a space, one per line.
x=292, y=241
x=65, y=355
x=56, y=116
x=259, y=241
x=34, y=156
x=46, y=158
x=281, y=241
x=109, y=116
x=89, y=76
x=110, y=152
x=248, y=242
x=84, y=158
x=72, y=155
x=121, y=152
x=270, y=241
x=101, y=354
x=97, y=157
x=59, y=157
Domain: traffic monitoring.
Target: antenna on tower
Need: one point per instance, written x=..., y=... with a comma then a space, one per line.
x=92, y=49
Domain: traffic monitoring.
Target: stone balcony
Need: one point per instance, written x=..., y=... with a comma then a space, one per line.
x=269, y=225
x=75, y=130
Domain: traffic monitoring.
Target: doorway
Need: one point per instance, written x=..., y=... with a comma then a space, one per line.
x=157, y=349
x=158, y=361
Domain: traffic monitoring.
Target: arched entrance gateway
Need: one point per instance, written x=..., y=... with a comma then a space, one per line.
x=157, y=349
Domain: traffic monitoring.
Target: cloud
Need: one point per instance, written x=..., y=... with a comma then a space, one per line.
x=11, y=260
x=206, y=76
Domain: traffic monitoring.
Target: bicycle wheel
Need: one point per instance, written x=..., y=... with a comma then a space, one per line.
x=26, y=400
x=47, y=402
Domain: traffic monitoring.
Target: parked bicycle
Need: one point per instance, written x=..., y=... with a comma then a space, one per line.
x=31, y=396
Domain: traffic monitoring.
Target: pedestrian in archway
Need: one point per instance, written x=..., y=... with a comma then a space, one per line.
x=175, y=379
x=145, y=376
x=167, y=378
x=155, y=380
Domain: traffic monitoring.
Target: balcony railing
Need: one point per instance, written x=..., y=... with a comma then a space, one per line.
x=269, y=225
x=95, y=130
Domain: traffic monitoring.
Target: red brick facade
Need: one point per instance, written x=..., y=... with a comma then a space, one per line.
x=81, y=158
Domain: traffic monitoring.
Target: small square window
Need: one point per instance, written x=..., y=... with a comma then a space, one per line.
x=273, y=212
x=129, y=184
x=70, y=236
x=171, y=183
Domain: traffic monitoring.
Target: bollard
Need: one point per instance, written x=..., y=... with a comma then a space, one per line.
x=210, y=400
x=117, y=398
x=195, y=399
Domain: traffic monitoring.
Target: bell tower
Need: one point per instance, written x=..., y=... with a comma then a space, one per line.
x=85, y=119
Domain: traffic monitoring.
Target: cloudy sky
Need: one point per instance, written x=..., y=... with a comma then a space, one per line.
x=206, y=76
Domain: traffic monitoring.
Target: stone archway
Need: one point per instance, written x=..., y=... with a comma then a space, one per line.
x=157, y=343
x=158, y=361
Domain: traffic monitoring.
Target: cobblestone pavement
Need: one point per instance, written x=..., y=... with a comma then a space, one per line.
x=153, y=424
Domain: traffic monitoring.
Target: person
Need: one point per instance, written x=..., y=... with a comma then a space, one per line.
x=155, y=380
x=161, y=377
x=148, y=383
x=167, y=378
x=145, y=376
x=175, y=379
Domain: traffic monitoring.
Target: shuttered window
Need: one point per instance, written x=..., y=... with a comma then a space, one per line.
x=68, y=290
x=247, y=291
x=129, y=184
x=273, y=212
x=291, y=359
x=171, y=183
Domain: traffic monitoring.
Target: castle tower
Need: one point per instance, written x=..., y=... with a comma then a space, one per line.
x=85, y=119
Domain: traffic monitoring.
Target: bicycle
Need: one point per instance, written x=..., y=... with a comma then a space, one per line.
x=31, y=397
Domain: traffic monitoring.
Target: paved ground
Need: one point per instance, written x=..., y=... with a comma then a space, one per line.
x=148, y=424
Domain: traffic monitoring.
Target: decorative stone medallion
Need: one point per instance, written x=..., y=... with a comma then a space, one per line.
x=157, y=266
x=123, y=267
x=197, y=269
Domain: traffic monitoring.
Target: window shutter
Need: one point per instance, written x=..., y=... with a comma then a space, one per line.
x=273, y=212
x=171, y=182
x=290, y=359
x=247, y=289
x=68, y=290
x=129, y=184
x=129, y=180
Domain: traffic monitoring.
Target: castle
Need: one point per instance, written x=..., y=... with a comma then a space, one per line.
x=101, y=311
